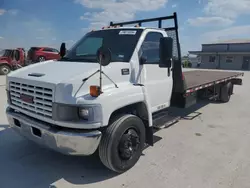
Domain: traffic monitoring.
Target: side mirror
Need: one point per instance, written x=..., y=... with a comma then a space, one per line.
x=166, y=52
x=103, y=56
x=63, y=50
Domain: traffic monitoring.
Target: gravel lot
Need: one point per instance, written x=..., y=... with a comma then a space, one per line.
x=210, y=151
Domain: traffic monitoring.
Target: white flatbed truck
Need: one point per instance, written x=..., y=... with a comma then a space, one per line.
x=109, y=102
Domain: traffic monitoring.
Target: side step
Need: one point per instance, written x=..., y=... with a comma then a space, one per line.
x=163, y=120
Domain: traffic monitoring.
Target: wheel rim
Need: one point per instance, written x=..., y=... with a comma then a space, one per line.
x=129, y=144
x=41, y=59
x=5, y=70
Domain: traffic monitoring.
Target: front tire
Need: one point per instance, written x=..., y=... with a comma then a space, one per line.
x=4, y=69
x=41, y=59
x=122, y=143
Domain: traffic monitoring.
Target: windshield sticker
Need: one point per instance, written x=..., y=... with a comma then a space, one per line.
x=127, y=32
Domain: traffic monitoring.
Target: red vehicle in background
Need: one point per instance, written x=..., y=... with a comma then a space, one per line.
x=39, y=54
x=11, y=59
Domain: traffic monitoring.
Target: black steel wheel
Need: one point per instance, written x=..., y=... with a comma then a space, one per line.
x=122, y=143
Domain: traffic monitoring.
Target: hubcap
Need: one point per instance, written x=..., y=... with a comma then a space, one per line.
x=41, y=59
x=5, y=70
x=129, y=144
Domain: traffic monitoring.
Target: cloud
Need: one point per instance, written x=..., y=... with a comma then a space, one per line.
x=1, y=37
x=39, y=38
x=2, y=11
x=86, y=16
x=32, y=32
x=111, y=10
x=174, y=5
x=223, y=34
x=234, y=32
x=208, y=21
x=13, y=12
x=221, y=12
x=227, y=8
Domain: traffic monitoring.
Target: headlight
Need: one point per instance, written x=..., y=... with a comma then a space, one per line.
x=85, y=113
x=91, y=113
x=76, y=113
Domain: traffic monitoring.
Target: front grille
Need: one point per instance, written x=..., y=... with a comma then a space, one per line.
x=38, y=99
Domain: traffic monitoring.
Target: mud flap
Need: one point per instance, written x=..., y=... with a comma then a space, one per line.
x=236, y=81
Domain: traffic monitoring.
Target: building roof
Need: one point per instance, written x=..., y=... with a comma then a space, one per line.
x=232, y=41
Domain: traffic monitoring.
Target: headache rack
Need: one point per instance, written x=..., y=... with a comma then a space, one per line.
x=171, y=31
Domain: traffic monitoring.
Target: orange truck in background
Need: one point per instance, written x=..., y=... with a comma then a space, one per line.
x=11, y=59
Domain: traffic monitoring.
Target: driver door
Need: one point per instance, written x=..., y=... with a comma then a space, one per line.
x=158, y=83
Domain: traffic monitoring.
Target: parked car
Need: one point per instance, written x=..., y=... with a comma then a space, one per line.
x=39, y=54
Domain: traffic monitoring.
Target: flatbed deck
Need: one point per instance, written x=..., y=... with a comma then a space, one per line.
x=199, y=79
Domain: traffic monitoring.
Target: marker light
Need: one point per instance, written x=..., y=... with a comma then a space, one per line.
x=94, y=91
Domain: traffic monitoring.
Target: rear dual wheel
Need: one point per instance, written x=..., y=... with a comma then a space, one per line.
x=226, y=91
x=122, y=143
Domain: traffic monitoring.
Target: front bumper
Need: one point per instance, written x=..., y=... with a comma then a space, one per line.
x=66, y=141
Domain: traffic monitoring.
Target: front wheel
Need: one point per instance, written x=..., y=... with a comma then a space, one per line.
x=4, y=69
x=122, y=143
x=41, y=59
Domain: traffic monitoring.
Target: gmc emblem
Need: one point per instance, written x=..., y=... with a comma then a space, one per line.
x=27, y=98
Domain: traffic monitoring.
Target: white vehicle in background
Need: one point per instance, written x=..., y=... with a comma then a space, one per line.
x=109, y=92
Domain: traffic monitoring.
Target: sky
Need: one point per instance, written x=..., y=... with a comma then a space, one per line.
x=26, y=23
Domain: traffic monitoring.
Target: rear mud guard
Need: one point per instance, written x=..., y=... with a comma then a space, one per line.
x=236, y=81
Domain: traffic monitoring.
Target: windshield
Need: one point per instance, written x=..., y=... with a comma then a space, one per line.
x=121, y=42
x=5, y=53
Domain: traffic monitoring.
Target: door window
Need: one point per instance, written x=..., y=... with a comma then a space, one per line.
x=150, y=48
x=48, y=50
x=17, y=55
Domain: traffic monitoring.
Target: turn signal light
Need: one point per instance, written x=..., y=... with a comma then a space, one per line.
x=94, y=91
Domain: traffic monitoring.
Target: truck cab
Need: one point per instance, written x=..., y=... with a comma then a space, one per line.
x=135, y=83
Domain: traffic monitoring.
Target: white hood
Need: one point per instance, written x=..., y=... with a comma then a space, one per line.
x=66, y=77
